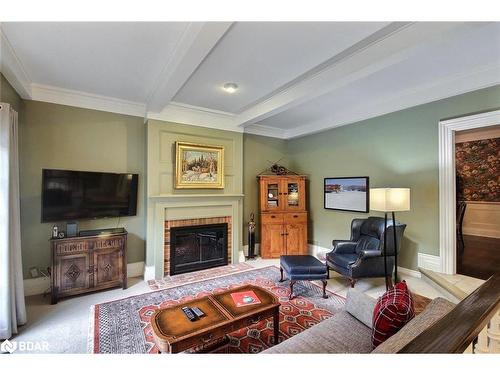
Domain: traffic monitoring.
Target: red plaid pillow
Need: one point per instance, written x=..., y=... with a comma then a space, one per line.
x=393, y=310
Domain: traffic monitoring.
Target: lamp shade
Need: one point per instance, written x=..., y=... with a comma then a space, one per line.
x=390, y=199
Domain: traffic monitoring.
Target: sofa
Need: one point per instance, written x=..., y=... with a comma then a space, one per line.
x=349, y=330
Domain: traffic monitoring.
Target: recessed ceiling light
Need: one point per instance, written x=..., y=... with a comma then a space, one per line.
x=230, y=87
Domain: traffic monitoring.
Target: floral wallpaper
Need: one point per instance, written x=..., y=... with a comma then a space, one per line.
x=478, y=166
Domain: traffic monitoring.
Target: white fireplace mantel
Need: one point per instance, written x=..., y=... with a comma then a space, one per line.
x=187, y=206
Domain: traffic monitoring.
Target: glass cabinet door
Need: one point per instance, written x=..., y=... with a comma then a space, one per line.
x=272, y=196
x=292, y=196
x=293, y=190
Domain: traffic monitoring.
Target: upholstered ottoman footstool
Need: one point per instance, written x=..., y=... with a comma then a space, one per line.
x=303, y=267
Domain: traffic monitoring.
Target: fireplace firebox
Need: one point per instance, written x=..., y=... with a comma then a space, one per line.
x=198, y=247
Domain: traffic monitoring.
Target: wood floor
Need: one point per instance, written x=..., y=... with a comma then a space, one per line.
x=480, y=257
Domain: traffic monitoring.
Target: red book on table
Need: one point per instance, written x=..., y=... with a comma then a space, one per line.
x=245, y=298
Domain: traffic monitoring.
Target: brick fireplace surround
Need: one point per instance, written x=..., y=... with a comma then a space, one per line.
x=190, y=222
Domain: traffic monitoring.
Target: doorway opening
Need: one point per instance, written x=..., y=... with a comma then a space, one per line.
x=447, y=183
x=477, y=168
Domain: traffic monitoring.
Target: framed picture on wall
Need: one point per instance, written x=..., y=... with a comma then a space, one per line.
x=347, y=194
x=199, y=166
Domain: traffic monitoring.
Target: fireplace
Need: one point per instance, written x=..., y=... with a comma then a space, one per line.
x=198, y=247
x=185, y=227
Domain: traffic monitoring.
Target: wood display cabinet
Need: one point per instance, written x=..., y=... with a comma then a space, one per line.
x=88, y=263
x=283, y=215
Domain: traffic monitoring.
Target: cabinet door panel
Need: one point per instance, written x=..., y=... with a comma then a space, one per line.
x=293, y=194
x=272, y=241
x=108, y=267
x=73, y=273
x=271, y=195
x=296, y=239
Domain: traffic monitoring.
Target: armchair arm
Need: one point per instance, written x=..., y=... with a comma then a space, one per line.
x=370, y=254
x=365, y=254
x=343, y=247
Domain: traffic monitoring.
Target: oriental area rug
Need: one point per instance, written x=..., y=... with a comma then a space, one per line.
x=123, y=326
x=185, y=278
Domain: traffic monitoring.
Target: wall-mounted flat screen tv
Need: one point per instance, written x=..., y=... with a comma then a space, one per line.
x=71, y=195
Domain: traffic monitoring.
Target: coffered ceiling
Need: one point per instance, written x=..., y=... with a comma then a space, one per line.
x=294, y=78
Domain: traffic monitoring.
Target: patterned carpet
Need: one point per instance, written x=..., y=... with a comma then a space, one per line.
x=185, y=278
x=123, y=326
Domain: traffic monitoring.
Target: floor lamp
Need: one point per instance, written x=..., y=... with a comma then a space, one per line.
x=390, y=200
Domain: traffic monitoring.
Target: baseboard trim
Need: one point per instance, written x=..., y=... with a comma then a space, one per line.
x=40, y=285
x=429, y=262
x=409, y=272
x=481, y=232
x=135, y=269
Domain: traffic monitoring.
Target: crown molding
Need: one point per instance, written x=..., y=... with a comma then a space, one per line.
x=57, y=95
x=12, y=68
x=266, y=131
x=483, y=77
x=197, y=116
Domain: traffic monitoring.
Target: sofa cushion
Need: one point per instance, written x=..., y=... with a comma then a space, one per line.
x=393, y=310
x=360, y=306
x=434, y=311
x=341, y=333
x=343, y=260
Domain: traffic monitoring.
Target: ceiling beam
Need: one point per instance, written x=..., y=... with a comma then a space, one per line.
x=388, y=46
x=197, y=41
x=482, y=77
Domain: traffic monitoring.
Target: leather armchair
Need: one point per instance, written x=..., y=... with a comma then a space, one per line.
x=362, y=256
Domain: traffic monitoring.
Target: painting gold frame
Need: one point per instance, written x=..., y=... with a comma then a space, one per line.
x=181, y=180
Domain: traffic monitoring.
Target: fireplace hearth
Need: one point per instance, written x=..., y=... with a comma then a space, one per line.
x=198, y=247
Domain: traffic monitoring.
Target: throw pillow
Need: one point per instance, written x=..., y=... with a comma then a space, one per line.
x=392, y=311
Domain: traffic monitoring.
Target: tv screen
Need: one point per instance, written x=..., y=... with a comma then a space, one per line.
x=70, y=195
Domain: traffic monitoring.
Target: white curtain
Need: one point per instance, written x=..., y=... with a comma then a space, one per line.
x=12, y=308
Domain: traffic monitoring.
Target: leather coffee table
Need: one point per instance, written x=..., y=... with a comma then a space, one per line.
x=174, y=333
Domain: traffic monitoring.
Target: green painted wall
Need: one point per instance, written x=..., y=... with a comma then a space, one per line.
x=9, y=95
x=161, y=139
x=63, y=137
x=399, y=149
x=258, y=152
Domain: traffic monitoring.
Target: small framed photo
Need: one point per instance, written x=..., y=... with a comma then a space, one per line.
x=199, y=166
x=347, y=194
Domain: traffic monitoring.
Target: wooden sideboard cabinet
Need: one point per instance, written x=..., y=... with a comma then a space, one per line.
x=283, y=215
x=88, y=263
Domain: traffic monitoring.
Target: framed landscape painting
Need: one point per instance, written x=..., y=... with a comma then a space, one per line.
x=347, y=193
x=199, y=166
